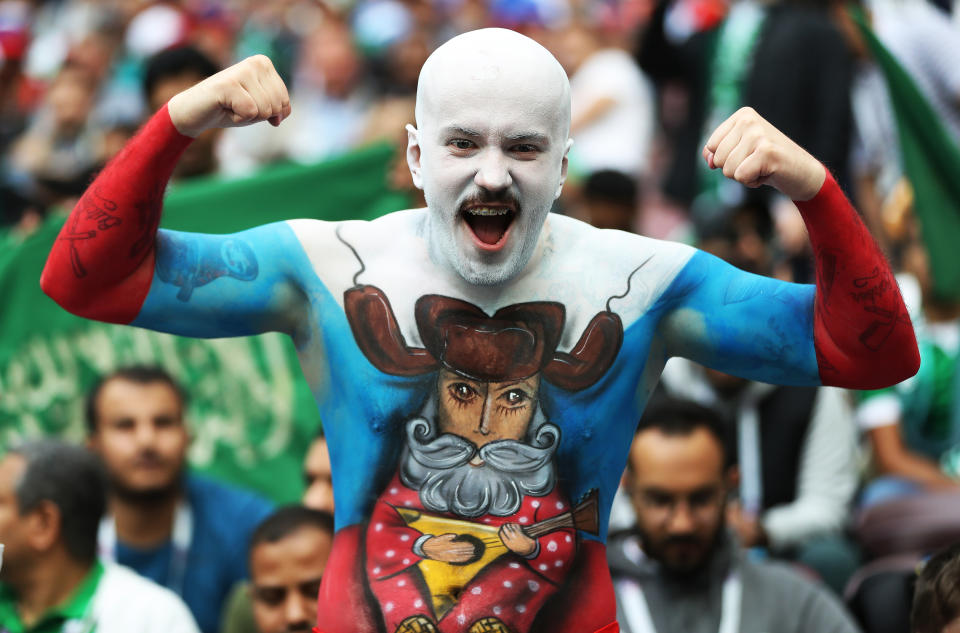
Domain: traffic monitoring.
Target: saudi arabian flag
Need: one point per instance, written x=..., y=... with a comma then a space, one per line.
x=931, y=162
x=251, y=413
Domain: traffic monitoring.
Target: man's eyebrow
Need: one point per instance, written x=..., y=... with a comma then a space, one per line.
x=528, y=137
x=459, y=131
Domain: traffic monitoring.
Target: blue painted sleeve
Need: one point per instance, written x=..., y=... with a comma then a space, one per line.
x=740, y=323
x=225, y=285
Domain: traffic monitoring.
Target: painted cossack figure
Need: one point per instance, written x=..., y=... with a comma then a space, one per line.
x=480, y=364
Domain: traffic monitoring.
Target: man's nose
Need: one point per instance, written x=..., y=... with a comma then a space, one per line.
x=681, y=519
x=145, y=433
x=486, y=415
x=493, y=173
x=296, y=612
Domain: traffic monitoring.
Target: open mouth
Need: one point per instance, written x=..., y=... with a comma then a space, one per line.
x=489, y=223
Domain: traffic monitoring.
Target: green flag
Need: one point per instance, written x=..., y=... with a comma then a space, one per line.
x=251, y=413
x=931, y=162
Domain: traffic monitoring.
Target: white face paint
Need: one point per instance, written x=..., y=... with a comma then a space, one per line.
x=493, y=109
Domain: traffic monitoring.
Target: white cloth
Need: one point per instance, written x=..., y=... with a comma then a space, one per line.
x=126, y=602
x=620, y=138
x=828, y=475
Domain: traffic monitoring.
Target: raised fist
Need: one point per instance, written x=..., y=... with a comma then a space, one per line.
x=753, y=152
x=245, y=93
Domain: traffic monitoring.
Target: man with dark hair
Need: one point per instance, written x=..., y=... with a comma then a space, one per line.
x=936, y=598
x=681, y=570
x=51, y=500
x=185, y=532
x=610, y=198
x=288, y=553
x=171, y=71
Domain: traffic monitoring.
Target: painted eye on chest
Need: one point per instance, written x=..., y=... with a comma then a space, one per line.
x=463, y=392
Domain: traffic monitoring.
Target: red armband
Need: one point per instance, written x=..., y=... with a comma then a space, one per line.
x=101, y=264
x=862, y=333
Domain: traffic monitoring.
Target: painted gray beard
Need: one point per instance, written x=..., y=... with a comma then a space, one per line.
x=438, y=468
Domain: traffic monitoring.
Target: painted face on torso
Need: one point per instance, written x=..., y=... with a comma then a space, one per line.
x=490, y=152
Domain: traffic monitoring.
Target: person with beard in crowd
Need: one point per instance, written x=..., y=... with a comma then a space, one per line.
x=681, y=570
x=182, y=531
x=417, y=291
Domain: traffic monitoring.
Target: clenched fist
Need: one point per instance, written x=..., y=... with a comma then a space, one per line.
x=245, y=93
x=753, y=152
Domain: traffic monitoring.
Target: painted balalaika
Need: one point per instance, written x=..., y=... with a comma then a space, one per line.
x=446, y=580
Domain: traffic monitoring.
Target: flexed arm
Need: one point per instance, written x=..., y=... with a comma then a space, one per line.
x=761, y=328
x=104, y=261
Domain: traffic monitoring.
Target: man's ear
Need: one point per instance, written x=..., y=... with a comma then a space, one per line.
x=413, y=155
x=732, y=478
x=44, y=526
x=563, y=167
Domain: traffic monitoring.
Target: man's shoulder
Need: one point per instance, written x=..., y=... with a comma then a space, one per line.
x=310, y=231
x=570, y=233
x=225, y=502
x=784, y=592
x=126, y=601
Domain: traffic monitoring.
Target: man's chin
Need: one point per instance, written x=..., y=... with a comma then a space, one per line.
x=145, y=492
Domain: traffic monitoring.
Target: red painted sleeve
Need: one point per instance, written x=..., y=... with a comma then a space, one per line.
x=862, y=333
x=101, y=264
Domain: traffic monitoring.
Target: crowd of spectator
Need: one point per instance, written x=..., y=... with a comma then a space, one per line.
x=849, y=493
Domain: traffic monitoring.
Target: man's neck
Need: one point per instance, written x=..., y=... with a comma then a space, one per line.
x=48, y=583
x=144, y=525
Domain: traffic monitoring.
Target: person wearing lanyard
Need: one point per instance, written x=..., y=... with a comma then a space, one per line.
x=51, y=501
x=681, y=570
x=184, y=532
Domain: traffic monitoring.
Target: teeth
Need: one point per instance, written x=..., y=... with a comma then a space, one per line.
x=488, y=211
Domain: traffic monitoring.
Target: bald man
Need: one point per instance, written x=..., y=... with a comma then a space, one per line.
x=479, y=364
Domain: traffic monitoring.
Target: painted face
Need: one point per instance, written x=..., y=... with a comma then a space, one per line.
x=483, y=412
x=318, y=477
x=490, y=154
x=140, y=436
x=285, y=577
x=676, y=484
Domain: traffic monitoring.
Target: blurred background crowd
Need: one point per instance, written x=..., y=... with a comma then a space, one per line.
x=853, y=491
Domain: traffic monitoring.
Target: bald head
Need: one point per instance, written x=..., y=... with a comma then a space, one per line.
x=510, y=64
x=489, y=150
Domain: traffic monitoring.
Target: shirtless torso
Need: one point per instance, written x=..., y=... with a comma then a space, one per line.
x=477, y=432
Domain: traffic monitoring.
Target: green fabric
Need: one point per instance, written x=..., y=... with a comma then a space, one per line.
x=238, y=614
x=251, y=413
x=930, y=404
x=931, y=162
x=732, y=59
x=75, y=609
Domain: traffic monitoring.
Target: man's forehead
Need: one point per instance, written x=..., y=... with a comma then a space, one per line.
x=681, y=461
x=492, y=70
